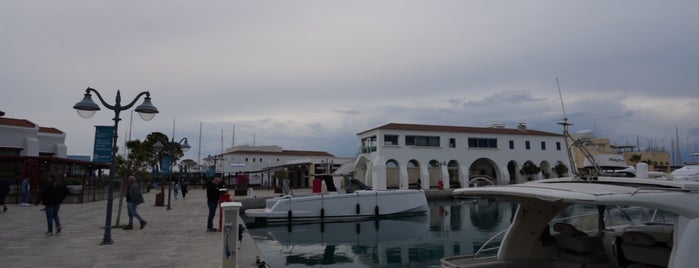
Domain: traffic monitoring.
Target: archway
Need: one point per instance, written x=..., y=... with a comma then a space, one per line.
x=413, y=172
x=435, y=173
x=392, y=174
x=483, y=168
x=546, y=169
x=512, y=168
x=453, y=170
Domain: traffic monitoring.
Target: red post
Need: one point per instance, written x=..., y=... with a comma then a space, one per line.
x=225, y=197
x=441, y=185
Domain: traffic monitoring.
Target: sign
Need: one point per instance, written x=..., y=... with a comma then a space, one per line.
x=165, y=165
x=102, y=151
x=211, y=171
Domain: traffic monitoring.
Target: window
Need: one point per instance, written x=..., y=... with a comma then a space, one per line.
x=369, y=144
x=512, y=144
x=422, y=141
x=558, y=146
x=527, y=145
x=543, y=146
x=390, y=139
x=482, y=143
x=452, y=143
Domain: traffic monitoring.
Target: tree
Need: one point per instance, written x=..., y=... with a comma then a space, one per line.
x=529, y=169
x=635, y=159
x=560, y=169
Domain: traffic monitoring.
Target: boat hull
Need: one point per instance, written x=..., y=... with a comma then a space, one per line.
x=356, y=205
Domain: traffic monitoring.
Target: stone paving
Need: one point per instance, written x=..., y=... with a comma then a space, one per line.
x=172, y=238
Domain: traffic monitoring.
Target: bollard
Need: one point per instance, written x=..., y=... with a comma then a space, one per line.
x=225, y=196
x=230, y=234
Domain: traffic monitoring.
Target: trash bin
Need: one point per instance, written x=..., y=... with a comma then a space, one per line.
x=159, y=199
x=317, y=185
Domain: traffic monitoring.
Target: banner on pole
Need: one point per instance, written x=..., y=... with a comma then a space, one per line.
x=102, y=151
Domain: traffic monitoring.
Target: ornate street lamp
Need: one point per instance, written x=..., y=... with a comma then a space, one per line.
x=171, y=146
x=86, y=109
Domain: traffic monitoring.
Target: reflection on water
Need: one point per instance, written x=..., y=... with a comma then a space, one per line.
x=450, y=228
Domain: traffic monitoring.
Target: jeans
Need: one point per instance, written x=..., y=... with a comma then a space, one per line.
x=52, y=216
x=25, y=197
x=212, y=214
x=131, y=207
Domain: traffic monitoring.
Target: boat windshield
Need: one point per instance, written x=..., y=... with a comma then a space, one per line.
x=587, y=217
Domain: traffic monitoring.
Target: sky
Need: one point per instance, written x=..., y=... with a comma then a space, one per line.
x=310, y=75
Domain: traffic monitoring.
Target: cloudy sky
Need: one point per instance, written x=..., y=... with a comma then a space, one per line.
x=310, y=75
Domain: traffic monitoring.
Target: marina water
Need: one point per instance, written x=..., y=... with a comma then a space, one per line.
x=454, y=227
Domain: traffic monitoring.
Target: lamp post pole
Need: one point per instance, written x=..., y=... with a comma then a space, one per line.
x=86, y=108
x=171, y=146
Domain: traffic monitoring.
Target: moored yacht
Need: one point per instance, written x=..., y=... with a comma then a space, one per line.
x=690, y=171
x=628, y=222
x=356, y=201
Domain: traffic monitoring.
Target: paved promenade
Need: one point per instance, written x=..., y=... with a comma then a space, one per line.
x=172, y=238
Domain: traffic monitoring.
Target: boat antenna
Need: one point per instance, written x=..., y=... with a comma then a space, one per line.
x=570, y=142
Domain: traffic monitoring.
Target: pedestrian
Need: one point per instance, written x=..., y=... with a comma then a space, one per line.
x=212, y=197
x=4, y=190
x=52, y=196
x=134, y=197
x=184, y=188
x=176, y=188
x=25, y=192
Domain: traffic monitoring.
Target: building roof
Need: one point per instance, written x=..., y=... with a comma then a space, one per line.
x=50, y=130
x=460, y=129
x=284, y=152
x=6, y=121
x=16, y=122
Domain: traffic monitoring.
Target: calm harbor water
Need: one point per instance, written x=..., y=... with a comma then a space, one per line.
x=450, y=228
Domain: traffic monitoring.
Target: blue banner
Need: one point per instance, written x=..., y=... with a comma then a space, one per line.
x=211, y=171
x=102, y=151
x=165, y=165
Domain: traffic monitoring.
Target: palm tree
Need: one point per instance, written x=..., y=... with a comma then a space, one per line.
x=635, y=159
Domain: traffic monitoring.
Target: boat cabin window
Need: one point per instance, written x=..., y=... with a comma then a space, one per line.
x=586, y=218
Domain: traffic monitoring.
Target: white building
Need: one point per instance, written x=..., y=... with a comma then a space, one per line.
x=260, y=163
x=410, y=155
x=21, y=137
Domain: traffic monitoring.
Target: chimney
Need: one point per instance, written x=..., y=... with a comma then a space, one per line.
x=522, y=127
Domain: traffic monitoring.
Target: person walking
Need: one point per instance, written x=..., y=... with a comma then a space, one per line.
x=184, y=188
x=176, y=188
x=133, y=199
x=212, y=197
x=52, y=196
x=4, y=190
x=25, y=192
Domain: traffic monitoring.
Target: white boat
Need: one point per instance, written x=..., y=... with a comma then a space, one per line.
x=367, y=232
x=542, y=233
x=357, y=202
x=688, y=172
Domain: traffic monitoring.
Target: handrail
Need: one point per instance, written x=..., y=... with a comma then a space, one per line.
x=483, y=249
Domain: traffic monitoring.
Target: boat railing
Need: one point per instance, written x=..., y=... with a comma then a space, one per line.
x=483, y=249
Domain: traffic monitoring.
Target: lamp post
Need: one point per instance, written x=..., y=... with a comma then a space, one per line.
x=171, y=146
x=86, y=109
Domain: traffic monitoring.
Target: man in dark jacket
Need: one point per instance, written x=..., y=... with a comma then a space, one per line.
x=133, y=199
x=212, y=197
x=52, y=196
